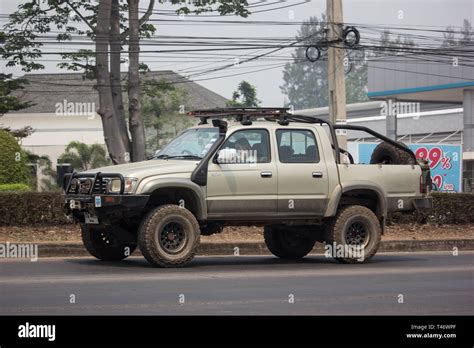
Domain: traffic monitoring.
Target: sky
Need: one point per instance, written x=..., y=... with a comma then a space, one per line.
x=436, y=14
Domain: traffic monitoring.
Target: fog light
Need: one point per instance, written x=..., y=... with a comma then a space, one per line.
x=85, y=186
x=74, y=185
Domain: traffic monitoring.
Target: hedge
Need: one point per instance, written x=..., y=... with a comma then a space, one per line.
x=448, y=208
x=31, y=208
x=14, y=187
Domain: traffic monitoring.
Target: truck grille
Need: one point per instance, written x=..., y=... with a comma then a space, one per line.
x=89, y=183
x=100, y=186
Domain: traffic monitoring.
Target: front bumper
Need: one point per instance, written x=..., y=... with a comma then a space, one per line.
x=106, y=207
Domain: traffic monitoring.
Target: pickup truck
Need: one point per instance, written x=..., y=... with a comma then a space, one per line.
x=248, y=166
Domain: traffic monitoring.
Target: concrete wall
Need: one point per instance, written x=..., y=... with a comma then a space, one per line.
x=53, y=132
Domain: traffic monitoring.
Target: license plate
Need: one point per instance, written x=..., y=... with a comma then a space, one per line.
x=91, y=219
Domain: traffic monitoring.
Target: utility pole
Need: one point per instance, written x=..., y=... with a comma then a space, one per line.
x=391, y=119
x=336, y=74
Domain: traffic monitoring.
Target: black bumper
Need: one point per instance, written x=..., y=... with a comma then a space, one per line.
x=107, y=208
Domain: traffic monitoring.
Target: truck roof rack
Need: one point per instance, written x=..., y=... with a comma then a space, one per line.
x=280, y=115
x=284, y=117
x=241, y=114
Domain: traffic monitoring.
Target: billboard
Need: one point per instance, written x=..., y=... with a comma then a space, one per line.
x=445, y=162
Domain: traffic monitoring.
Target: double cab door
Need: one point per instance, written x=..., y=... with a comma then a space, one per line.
x=264, y=173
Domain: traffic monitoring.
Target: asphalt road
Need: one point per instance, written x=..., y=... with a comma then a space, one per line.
x=430, y=282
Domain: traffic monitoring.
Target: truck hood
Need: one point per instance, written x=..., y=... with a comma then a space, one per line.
x=143, y=169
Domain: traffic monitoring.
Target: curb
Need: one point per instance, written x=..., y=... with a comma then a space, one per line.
x=66, y=249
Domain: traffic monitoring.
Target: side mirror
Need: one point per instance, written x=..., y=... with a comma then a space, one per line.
x=226, y=156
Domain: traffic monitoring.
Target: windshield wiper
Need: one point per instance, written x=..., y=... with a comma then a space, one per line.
x=183, y=156
x=177, y=156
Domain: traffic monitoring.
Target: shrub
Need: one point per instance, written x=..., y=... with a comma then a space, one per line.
x=14, y=187
x=13, y=168
x=30, y=208
x=448, y=208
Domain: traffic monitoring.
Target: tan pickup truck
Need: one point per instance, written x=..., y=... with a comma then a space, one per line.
x=259, y=166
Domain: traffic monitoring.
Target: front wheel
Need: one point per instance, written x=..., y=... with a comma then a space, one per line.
x=169, y=236
x=108, y=243
x=353, y=235
x=288, y=243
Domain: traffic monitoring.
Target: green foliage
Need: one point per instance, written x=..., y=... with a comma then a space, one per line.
x=461, y=38
x=388, y=44
x=9, y=102
x=45, y=167
x=244, y=96
x=13, y=160
x=448, y=208
x=65, y=20
x=14, y=187
x=84, y=157
x=305, y=83
x=19, y=133
x=163, y=113
x=31, y=208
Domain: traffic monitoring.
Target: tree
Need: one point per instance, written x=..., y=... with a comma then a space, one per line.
x=44, y=166
x=163, y=114
x=84, y=157
x=306, y=84
x=467, y=33
x=109, y=27
x=389, y=46
x=244, y=96
x=461, y=38
x=449, y=37
x=9, y=102
x=13, y=161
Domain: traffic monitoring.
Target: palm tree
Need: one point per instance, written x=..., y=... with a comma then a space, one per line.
x=84, y=157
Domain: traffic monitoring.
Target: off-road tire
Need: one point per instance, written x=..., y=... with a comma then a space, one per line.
x=153, y=246
x=288, y=244
x=339, y=225
x=385, y=153
x=104, y=242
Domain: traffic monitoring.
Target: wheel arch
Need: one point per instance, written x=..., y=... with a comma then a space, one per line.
x=366, y=194
x=172, y=190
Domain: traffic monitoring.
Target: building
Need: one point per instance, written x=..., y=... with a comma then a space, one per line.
x=65, y=104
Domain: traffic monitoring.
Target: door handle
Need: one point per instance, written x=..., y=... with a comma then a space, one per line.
x=317, y=175
x=266, y=174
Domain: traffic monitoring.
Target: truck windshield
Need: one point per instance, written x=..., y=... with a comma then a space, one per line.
x=191, y=144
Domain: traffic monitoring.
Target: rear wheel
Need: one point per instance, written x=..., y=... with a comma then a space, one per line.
x=353, y=235
x=287, y=243
x=169, y=236
x=108, y=243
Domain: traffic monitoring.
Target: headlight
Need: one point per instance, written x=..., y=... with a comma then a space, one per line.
x=113, y=186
